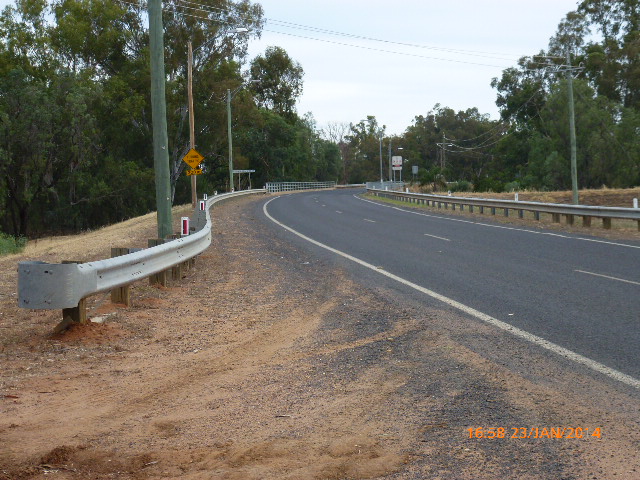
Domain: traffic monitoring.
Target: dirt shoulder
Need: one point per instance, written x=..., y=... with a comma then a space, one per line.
x=268, y=361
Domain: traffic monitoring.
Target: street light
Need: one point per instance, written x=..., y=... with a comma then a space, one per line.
x=370, y=121
x=192, y=140
x=229, y=134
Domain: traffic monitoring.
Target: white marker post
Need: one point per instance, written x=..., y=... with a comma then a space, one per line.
x=185, y=226
x=635, y=203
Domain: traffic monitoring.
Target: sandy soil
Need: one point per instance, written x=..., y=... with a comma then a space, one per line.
x=266, y=361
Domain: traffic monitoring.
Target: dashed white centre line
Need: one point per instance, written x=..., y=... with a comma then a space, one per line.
x=607, y=276
x=435, y=236
x=338, y=211
x=367, y=220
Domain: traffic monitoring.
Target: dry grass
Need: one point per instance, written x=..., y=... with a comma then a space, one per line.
x=620, y=229
x=605, y=197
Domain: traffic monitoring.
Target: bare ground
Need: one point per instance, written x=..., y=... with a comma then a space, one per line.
x=269, y=362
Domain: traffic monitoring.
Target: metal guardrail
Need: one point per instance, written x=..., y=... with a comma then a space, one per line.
x=275, y=187
x=555, y=209
x=61, y=286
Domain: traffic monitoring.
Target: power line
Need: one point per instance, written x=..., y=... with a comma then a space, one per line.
x=186, y=4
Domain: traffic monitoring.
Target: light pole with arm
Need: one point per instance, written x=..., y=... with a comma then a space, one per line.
x=230, y=95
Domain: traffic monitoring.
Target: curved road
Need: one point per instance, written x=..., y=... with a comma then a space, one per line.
x=580, y=293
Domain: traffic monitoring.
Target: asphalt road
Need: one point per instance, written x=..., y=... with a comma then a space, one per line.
x=579, y=292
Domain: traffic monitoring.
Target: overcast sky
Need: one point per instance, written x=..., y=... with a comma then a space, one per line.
x=343, y=83
x=348, y=77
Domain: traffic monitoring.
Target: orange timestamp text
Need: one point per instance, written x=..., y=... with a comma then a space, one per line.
x=534, y=432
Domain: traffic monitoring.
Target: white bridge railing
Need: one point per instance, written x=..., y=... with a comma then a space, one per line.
x=275, y=187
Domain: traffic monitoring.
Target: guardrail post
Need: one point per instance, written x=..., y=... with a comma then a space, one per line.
x=481, y=209
x=586, y=221
x=493, y=210
x=569, y=219
x=470, y=208
x=120, y=294
x=606, y=223
x=506, y=212
x=555, y=217
x=77, y=314
x=159, y=278
x=536, y=215
x=521, y=213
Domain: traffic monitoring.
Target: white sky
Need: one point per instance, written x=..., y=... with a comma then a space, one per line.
x=345, y=84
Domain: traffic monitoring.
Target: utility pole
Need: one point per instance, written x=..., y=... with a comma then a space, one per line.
x=159, y=120
x=381, y=179
x=572, y=132
x=391, y=172
x=230, y=140
x=192, y=131
x=442, y=159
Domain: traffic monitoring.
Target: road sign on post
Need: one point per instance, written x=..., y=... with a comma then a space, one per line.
x=396, y=161
x=194, y=171
x=193, y=158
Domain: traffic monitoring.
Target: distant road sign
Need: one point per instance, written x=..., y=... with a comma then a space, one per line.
x=396, y=161
x=244, y=171
x=193, y=158
x=194, y=171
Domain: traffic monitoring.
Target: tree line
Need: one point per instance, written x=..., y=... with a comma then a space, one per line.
x=75, y=115
x=529, y=147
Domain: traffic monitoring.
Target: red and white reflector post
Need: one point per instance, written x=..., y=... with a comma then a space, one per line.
x=184, y=221
x=203, y=204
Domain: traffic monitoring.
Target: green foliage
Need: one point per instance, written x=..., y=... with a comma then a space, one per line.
x=461, y=186
x=278, y=81
x=9, y=244
x=75, y=116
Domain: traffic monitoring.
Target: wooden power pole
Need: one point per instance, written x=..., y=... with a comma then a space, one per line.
x=159, y=120
x=192, y=132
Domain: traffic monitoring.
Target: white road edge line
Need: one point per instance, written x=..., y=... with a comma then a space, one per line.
x=435, y=236
x=497, y=226
x=541, y=342
x=607, y=276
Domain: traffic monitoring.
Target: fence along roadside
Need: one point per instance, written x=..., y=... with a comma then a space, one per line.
x=606, y=214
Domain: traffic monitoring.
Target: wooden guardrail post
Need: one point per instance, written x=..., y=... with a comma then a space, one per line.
x=77, y=314
x=159, y=278
x=120, y=295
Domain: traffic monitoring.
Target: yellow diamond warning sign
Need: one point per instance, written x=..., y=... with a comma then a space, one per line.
x=192, y=158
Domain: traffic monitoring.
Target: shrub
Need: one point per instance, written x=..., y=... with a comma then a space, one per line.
x=512, y=186
x=9, y=244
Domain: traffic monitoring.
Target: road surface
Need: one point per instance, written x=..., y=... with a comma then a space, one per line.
x=580, y=293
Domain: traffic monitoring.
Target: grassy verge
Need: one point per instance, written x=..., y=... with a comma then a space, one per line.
x=9, y=244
